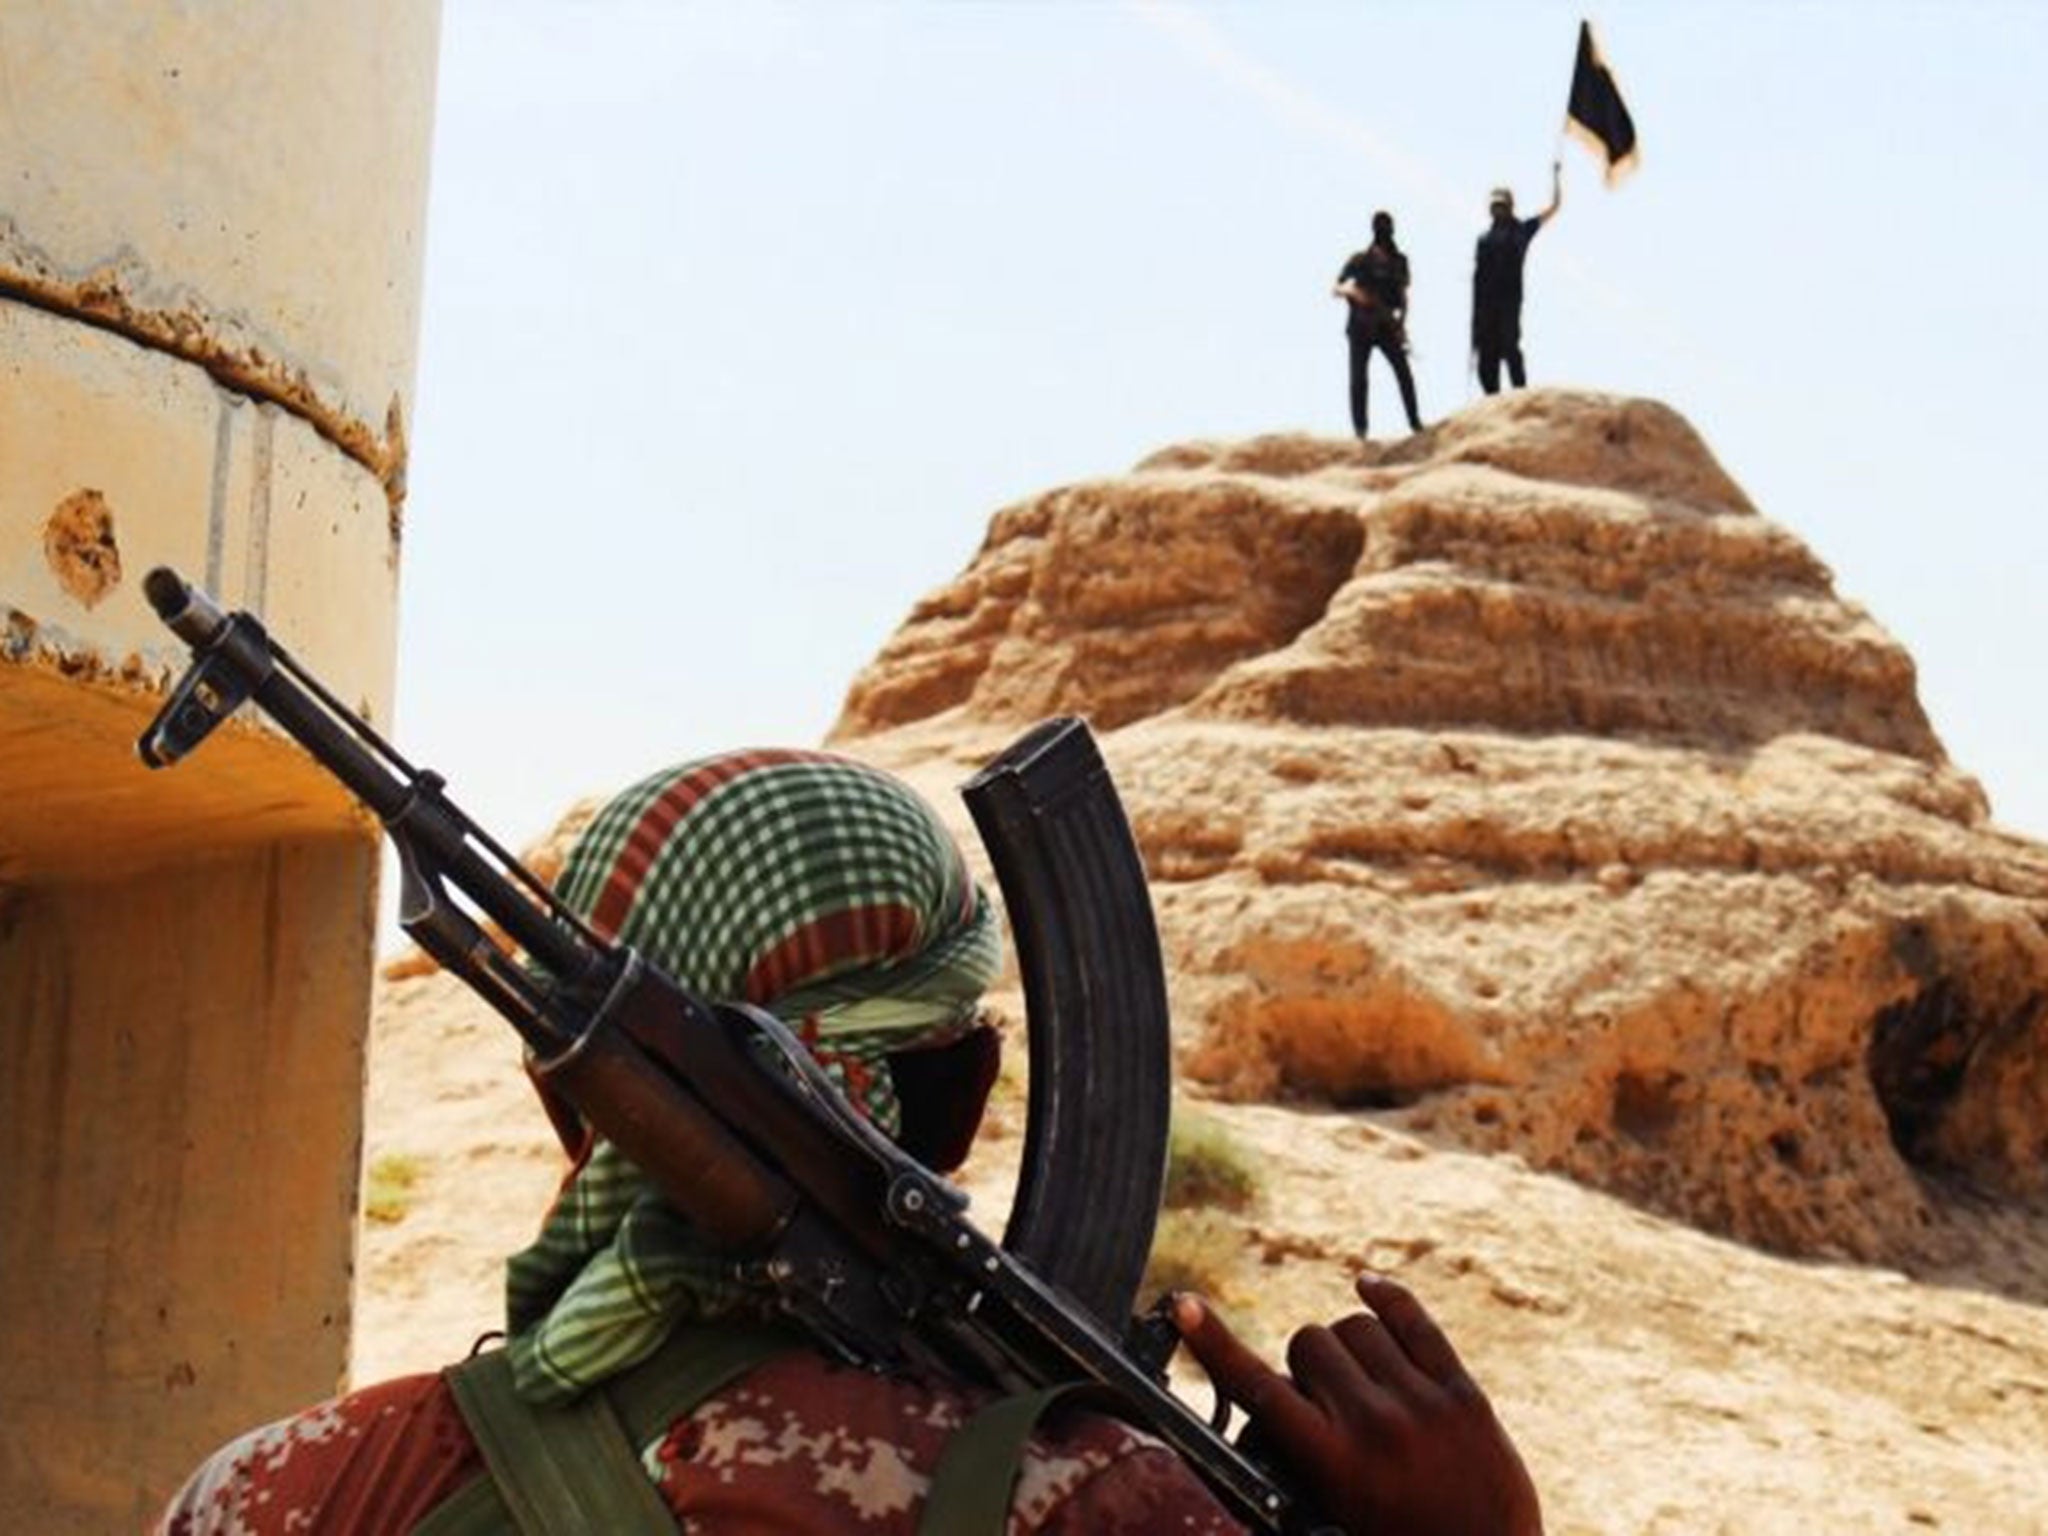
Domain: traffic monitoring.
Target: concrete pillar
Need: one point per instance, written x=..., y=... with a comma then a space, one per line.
x=211, y=223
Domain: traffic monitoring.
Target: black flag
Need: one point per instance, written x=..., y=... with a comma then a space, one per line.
x=1595, y=115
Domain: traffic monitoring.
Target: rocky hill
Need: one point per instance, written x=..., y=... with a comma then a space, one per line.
x=1522, y=775
x=1567, y=904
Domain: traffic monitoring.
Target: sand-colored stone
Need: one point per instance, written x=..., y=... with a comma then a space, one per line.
x=1523, y=775
x=1657, y=1379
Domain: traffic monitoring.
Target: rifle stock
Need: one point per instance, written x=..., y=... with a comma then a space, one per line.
x=742, y=1132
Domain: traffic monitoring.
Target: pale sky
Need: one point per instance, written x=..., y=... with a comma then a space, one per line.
x=741, y=320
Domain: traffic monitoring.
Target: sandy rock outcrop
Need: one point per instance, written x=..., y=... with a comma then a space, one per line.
x=1521, y=775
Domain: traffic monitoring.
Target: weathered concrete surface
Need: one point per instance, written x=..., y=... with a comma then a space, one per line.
x=242, y=497
x=245, y=195
x=210, y=242
x=91, y=812
x=179, y=1121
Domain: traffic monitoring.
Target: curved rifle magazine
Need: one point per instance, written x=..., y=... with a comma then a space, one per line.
x=1095, y=997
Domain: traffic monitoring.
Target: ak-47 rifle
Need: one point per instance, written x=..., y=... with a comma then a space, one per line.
x=864, y=1247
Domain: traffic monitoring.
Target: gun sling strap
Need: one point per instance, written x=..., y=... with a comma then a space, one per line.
x=577, y=1467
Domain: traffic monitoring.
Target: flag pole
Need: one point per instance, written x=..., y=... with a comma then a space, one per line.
x=1564, y=123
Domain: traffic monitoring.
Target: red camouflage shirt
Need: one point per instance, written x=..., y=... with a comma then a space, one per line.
x=797, y=1445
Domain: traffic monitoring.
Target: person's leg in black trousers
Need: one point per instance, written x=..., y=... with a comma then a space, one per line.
x=1397, y=359
x=1361, y=353
x=1489, y=365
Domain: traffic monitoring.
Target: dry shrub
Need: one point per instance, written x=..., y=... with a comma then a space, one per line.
x=1206, y=1168
x=1195, y=1251
x=388, y=1190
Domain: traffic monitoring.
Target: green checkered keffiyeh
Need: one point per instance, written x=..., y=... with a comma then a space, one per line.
x=812, y=886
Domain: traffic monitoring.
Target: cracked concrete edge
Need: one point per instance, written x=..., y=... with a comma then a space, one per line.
x=117, y=296
x=28, y=641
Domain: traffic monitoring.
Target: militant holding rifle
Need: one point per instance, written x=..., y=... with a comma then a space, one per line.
x=720, y=1105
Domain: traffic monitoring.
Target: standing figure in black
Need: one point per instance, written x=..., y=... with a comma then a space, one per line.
x=1497, y=284
x=1374, y=288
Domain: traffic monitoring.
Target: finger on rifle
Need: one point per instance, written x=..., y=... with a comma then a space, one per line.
x=1268, y=1398
x=1412, y=1327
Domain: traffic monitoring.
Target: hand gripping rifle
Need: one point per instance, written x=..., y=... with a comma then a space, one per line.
x=725, y=1111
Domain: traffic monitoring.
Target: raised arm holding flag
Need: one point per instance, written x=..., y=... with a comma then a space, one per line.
x=1595, y=115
